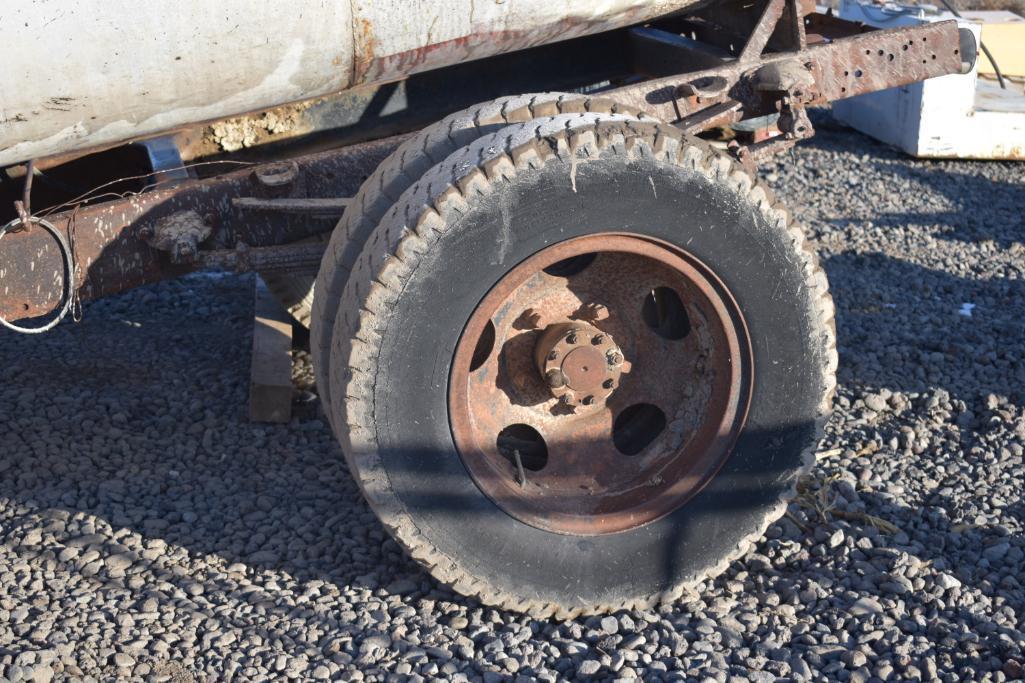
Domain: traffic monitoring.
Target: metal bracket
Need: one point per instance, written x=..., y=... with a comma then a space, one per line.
x=178, y=234
x=24, y=206
x=837, y=60
x=165, y=159
x=304, y=257
x=305, y=206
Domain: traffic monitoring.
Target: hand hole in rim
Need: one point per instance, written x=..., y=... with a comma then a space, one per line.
x=637, y=427
x=528, y=442
x=663, y=311
x=485, y=345
x=574, y=265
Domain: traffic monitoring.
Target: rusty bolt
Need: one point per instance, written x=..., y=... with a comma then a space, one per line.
x=598, y=339
x=571, y=338
x=277, y=175
x=614, y=358
x=555, y=379
x=595, y=312
x=552, y=355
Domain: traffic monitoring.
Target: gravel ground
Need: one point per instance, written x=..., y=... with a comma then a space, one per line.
x=148, y=530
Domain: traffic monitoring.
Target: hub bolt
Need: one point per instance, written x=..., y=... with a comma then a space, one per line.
x=579, y=363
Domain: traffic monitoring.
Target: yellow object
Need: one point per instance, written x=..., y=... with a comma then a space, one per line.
x=1004, y=36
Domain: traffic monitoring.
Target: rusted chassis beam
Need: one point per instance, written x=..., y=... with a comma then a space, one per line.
x=823, y=59
x=112, y=240
x=127, y=242
x=839, y=68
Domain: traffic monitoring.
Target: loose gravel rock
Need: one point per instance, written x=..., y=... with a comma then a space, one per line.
x=150, y=532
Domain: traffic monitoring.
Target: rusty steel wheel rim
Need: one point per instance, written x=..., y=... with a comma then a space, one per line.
x=600, y=384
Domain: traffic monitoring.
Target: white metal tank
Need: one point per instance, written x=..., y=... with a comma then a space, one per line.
x=89, y=73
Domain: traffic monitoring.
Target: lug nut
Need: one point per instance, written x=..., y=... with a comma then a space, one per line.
x=579, y=364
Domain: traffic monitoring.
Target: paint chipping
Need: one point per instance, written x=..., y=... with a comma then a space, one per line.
x=238, y=133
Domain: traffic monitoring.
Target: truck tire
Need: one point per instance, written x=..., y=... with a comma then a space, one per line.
x=397, y=173
x=627, y=267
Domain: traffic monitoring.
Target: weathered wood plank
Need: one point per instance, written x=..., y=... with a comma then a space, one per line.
x=270, y=381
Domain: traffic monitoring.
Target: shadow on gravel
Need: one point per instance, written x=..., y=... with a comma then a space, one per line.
x=266, y=503
x=963, y=335
x=933, y=570
x=974, y=208
x=129, y=465
x=130, y=431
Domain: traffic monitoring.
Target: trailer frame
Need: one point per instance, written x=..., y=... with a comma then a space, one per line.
x=750, y=68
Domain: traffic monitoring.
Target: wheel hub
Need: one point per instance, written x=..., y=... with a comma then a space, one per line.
x=580, y=364
x=600, y=384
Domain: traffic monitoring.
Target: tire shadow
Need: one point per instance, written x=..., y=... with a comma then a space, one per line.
x=910, y=328
x=952, y=200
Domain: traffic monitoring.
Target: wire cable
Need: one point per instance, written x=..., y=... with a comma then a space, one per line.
x=69, y=274
x=982, y=46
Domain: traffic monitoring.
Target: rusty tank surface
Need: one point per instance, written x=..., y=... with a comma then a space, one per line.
x=576, y=354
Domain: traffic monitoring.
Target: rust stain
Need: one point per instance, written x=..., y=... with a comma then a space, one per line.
x=113, y=256
x=851, y=64
x=481, y=41
x=364, y=46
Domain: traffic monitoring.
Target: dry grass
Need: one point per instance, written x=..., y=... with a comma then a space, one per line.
x=815, y=496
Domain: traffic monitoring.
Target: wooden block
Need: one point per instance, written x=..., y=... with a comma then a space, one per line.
x=270, y=379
